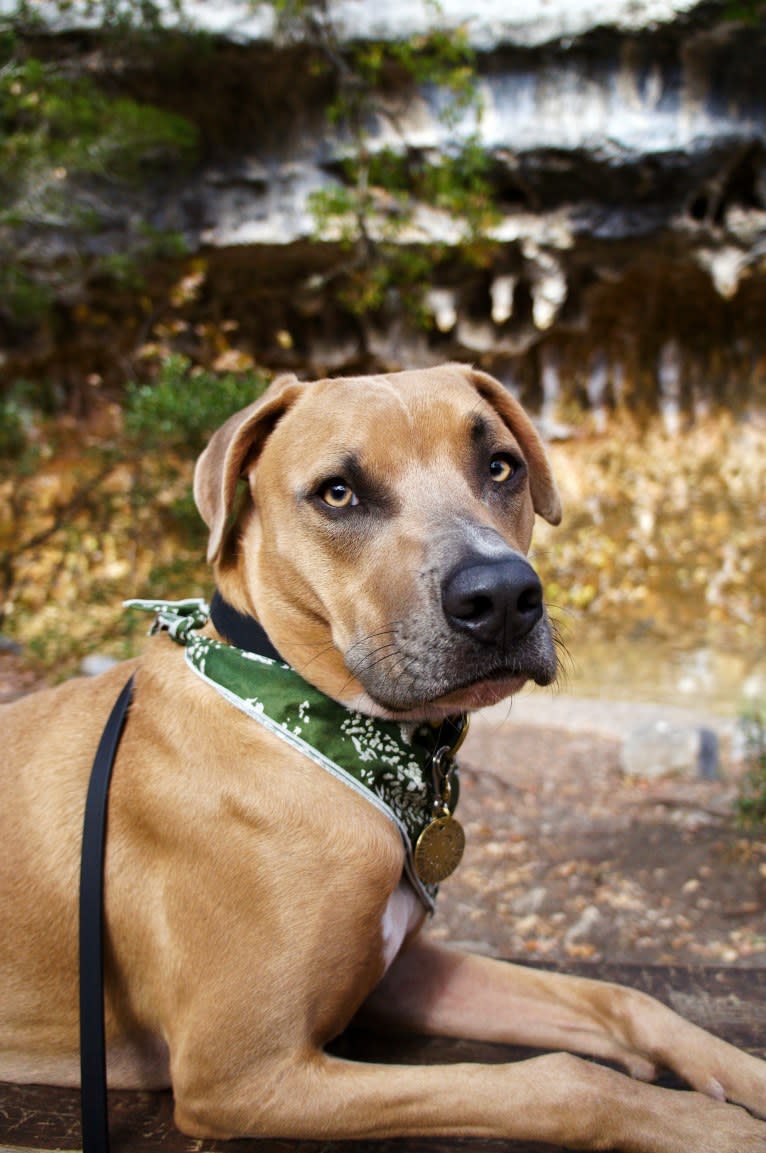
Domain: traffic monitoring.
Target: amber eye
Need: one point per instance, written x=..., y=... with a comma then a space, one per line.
x=501, y=468
x=337, y=494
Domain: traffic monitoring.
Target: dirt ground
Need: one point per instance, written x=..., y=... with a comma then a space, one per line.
x=566, y=859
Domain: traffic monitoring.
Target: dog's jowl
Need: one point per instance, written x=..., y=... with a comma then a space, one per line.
x=283, y=805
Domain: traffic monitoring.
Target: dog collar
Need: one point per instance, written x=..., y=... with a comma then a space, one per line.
x=240, y=629
x=411, y=776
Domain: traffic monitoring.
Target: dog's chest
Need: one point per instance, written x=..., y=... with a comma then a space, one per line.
x=402, y=915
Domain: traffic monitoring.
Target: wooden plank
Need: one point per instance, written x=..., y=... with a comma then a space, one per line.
x=729, y=1002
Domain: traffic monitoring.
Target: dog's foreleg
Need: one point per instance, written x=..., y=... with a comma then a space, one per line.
x=557, y=1099
x=439, y=991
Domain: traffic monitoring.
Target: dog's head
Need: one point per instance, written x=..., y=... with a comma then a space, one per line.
x=382, y=535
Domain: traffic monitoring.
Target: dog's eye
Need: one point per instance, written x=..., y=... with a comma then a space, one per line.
x=501, y=468
x=337, y=494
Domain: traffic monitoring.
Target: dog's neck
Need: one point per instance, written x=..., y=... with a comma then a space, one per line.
x=246, y=633
x=412, y=778
x=241, y=630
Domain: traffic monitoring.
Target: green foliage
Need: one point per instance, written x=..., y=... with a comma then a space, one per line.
x=51, y=122
x=751, y=803
x=748, y=11
x=397, y=272
x=55, y=126
x=185, y=405
x=26, y=409
x=117, y=15
x=68, y=147
x=458, y=184
x=15, y=420
x=90, y=522
x=382, y=190
x=371, y=216
x=23, y=297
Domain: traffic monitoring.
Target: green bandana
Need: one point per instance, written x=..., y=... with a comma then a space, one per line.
x=381, y=760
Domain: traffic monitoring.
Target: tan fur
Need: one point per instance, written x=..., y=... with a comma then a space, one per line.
x=246, y=889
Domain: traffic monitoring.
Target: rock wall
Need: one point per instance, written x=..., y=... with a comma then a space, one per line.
x=628, y=160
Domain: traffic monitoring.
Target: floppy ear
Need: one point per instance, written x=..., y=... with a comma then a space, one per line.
x=545, y=496
x=230, y=449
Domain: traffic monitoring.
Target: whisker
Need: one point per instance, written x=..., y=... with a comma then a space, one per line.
x=389, y=631
x=565, y=664
x=380, y=655
x=327, y=648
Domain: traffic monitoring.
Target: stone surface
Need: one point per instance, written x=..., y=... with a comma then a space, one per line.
x=660, y=750
x=626, y=151
x=494, y=22
x=663, y=749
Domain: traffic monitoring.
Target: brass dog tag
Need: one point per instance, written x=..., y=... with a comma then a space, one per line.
x=439, y=849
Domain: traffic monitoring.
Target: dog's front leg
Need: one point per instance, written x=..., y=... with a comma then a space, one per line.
x=556, y=1099
x=439, y=991
x=256, y=1068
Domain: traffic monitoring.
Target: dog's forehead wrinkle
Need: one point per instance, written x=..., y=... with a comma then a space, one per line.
x=424, y=412
x=431, y=434
x=389, y=389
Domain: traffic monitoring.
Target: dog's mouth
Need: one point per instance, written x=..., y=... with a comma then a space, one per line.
x=404, y=688
x=488, y=691
x=467, y=697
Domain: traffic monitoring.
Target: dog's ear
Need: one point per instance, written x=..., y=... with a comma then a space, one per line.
x=230, y=450
x=545, y=496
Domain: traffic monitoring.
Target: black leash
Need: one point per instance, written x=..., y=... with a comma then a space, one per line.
x=93, y=1100
x=234, y=627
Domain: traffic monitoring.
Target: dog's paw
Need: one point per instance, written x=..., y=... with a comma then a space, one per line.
x=705, y=1062
x=692, y=1123
x=729, y=1129
x=734, y=1076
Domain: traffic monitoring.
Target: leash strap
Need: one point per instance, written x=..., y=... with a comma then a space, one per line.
x=93, y=1100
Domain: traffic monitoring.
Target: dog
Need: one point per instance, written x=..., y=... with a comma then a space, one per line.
x=377, y=529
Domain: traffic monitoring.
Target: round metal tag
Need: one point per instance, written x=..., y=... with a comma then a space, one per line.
x=439, y=849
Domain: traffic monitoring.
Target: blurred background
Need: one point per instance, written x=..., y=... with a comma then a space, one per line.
x=196, y=196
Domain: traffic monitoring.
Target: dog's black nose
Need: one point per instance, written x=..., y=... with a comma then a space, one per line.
x=496, y=601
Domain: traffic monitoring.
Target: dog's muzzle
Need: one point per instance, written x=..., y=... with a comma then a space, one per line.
x=483, y=621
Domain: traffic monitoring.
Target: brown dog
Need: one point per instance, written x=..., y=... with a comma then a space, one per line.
x=254, y=902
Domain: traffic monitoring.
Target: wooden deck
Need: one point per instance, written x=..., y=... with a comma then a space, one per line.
x=729, y=1002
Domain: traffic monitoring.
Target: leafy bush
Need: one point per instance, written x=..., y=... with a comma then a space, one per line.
x=184, y=405
x=69, y=149
x=751, y=803
x=15, y=417
x=89, y=520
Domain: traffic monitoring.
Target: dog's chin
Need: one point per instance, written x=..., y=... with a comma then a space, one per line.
x=467, y=698
x=481, y=695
